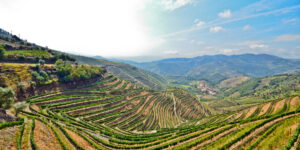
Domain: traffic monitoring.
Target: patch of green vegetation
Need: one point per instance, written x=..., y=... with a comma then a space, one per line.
x=67, y=72
x=37, y=53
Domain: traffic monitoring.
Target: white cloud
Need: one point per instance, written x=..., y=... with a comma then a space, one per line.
x=196, y=20
x=209, y=47
x=253, y=44
x=225, y=14
x=171, y=52
x=200, y=43
x=200, y=23
x=244, y=15
x=287, y=37
x=216, y=29
x=292, y=20
x=247, y=27
x=229, y=51
x=258, y=46
x=174, y=4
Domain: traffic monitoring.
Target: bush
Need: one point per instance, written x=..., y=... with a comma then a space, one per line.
x=42, y=62
x=40, y=79
x=2, y=52
x=37, y=59
x=21, y=87
x=18, y=107
x=66, y=72
x=44, y=75
x=7, y=96
x=63, y=69
x=35, y=74
x=32, y=84
x=21, y=57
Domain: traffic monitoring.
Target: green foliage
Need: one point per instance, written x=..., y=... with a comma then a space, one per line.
x=32, y=141
x=7, y=96
x=66, y=72
x=19, y=137
x=37, y=53
x=42, y=62
x=294, y=138
x=40, y=77
x=10, y=124
x=44, y=75
x=63, y=70
x=2, y=52
x=18, y=107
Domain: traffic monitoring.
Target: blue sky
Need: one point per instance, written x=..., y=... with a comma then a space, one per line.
x=207, y=27
x=145, y=30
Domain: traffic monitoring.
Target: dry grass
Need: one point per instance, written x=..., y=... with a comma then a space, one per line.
x=80, y=141
x=278, y=106
x=13, y=74
x=234, y=81
x=8, y=138
x=44, y=137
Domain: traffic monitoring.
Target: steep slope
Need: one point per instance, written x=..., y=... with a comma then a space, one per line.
x=110, y=114
x=127, y=72
x=219, y=67
x=20, y=51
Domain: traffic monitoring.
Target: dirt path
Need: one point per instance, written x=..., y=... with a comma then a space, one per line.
x=258, y=131
x=175, y=112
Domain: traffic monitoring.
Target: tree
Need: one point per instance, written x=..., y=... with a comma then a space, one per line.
x=18, y=107
x=7, y=96
x=2, y=52
x=63, y=69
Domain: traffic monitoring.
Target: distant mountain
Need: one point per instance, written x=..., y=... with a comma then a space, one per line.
x=219, y=67
x=126, y=71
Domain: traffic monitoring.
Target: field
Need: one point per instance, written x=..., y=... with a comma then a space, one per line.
x=113, y=113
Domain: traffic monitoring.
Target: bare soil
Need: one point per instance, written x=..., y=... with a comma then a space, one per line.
x=8, y=138
x=44, y=138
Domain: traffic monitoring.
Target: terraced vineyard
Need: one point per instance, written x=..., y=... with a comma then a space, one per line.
x=116, y=114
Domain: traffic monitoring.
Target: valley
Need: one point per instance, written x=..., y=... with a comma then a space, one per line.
x=55, y=100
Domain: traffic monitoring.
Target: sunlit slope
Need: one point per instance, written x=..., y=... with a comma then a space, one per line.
x=127, y=72
x=116, y=114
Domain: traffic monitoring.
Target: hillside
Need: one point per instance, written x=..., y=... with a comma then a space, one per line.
x=220, y=67
x=115, y=114
x=20, y=51
x=52, y=100
x=127, y=72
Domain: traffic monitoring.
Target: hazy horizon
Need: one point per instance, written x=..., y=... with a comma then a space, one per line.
x=146, y=30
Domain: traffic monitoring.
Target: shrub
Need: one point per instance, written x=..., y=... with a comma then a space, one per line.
x=18, y=107
x=21, y=87
x=32, y=84
x=2, y=52
x=21, y=57
x=42, y=62
x=40, y=79
x=63, y=68
x=44, y=75
x=37, y=59
x=35, y=74
x=7, y=96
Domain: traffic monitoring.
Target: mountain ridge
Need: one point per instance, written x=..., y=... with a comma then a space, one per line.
x=208, y=67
